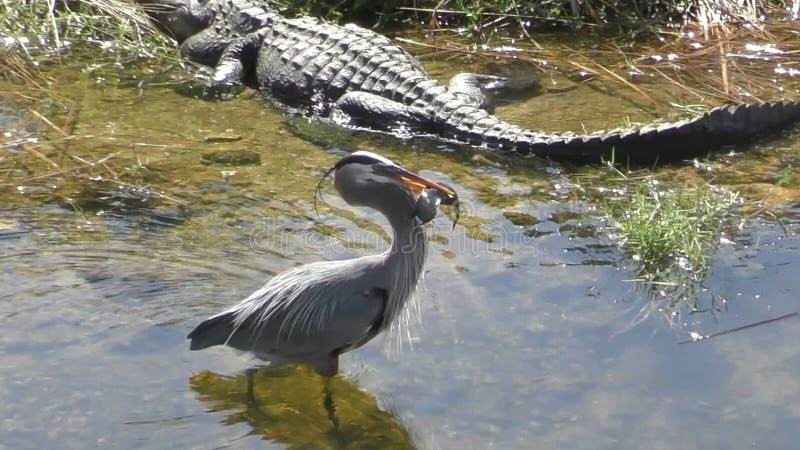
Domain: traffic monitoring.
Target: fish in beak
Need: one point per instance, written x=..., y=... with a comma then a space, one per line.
x=432, y=194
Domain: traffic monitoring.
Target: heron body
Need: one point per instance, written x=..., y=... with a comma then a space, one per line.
x=315, y=312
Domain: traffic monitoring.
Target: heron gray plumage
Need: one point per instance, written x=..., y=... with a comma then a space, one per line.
x=315, y=312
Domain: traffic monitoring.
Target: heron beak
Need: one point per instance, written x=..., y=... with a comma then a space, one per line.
x=417, y=184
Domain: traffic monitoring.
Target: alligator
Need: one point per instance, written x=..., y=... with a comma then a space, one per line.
x=358, y=78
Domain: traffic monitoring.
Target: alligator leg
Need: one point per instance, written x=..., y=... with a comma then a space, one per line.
x=477, y=89
x=232, y=61
x=373, y=111
x=233, y=64
x=237, y=61
x=205, y=47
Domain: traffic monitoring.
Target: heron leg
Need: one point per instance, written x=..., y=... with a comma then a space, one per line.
x=326, y=366
x=327, y=402
x=251, y=395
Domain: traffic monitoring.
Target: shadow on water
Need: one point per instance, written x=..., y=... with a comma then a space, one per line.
x=297, y=407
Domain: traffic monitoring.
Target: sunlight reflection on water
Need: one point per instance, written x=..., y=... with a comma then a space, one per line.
x=524, y=338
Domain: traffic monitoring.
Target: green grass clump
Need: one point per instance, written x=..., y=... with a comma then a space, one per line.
x=35, y=34
x=669, y=231
x=479, y=16
x=39, y=29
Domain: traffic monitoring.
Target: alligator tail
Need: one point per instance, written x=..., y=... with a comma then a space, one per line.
x=720, y=126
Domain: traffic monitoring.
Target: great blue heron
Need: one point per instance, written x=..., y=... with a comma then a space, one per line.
x=315, y=312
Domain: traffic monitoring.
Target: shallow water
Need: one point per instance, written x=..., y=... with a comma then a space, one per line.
x=526, y=336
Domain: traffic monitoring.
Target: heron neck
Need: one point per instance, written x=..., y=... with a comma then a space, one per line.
x=404, y=260
x=409, y=238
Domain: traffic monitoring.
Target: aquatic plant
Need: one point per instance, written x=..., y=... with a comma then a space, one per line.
x=476, y=15
x=669, y=233
x=40, y=29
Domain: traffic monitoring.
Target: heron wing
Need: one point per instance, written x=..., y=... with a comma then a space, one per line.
x=311, y=310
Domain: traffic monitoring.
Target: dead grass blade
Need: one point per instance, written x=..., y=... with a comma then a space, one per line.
x=700, y=338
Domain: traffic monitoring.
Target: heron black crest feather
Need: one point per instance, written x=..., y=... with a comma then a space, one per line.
x=318, y=190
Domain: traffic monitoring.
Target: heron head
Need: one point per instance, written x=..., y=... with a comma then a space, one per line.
x=366, y=179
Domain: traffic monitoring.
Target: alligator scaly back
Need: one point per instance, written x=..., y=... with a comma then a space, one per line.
x=359, y=78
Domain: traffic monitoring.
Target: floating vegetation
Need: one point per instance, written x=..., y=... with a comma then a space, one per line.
x=697, y=337
x=732, y=54
x=668, y=231
x=236, y=157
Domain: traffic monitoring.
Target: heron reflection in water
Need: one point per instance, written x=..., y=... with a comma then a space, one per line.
x=294, y=406
x=313, y=313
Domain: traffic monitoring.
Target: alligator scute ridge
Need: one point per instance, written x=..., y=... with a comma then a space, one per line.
x=377, y=85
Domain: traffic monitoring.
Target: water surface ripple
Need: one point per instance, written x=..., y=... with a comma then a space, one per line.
x=525, y=339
